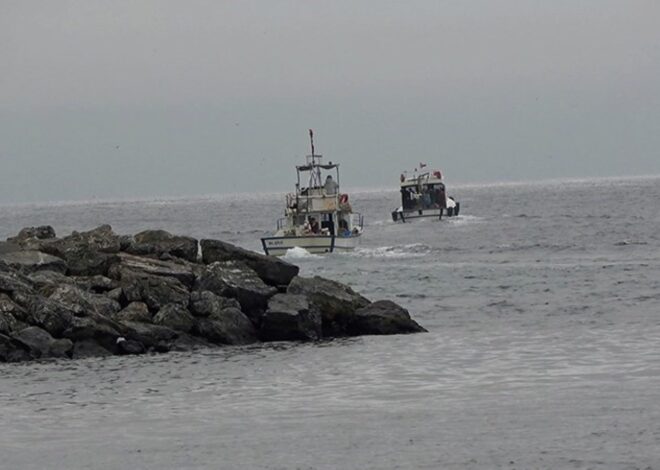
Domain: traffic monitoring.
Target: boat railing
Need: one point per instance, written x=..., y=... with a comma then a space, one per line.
x=281, y=223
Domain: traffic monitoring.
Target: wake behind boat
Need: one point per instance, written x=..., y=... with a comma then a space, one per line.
x=317, y=217
x=423, y=195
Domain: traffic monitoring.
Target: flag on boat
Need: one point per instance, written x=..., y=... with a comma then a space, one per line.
x=422, y=165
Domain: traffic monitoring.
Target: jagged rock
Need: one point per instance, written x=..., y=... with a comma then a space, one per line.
x=81, y=302
x=175, y=316
x=205, y=303
x=29, y=261
x=7, y=323
x=129, y=346
x=155, y=291
x=159, y=242
x=117, y=295
x=12, y=350
x=133, y=312
x=131, y=265
x=226, y=326
x=88, y=348
x=47, y=281
x=382, y=317
x=9, y=307
x=42, y=344
x=50, y=315
x=271, y=270
x=43, y=232
x=97, y=284
x=16, y=285
x=84, y=261
x=152, y=336
x=336, y=302
x=290, y=317
x=233, y=279
x=104, y=333
x=101, y=239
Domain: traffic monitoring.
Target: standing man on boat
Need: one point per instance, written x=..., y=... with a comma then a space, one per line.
x=330, y=186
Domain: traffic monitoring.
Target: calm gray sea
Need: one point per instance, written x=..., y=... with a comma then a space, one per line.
x=542, y=303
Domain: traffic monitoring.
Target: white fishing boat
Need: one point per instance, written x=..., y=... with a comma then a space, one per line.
x=423, y=195
x=318, y=217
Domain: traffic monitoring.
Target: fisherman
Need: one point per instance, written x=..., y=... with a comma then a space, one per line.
x=313, y=225
x=330, y=186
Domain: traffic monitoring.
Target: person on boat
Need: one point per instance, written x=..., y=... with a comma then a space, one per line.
x=313, y=225
x=330, y=186
x=343, y=228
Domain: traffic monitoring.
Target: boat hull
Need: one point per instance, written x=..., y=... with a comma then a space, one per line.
x=409, y=216
x=317, y=244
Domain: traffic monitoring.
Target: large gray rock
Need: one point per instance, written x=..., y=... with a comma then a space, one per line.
x=152, y=336
x=102, y=331
x=42, y=344
x=155, y=291
x=12, y=350
x=336, y=302
x=50, y=315
x=205, y=303
x=175, y=316
x=7, y=323
x=133, y=312
x=290, y=317
x=15, y=285
x=10, y=308
x=160, y=242
x=236, y=280
x=88, y=348
x=31, y=260
x=131, y=265
x=272, y=271
x=97, y=284
x=226, y=326
x=81, y=302
x=43, y=232
x=382, y=317
x=101, y=239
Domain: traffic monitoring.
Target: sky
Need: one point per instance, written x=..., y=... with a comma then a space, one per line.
x=132, y=99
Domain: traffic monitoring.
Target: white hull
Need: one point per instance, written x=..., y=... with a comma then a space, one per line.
x=318, y=244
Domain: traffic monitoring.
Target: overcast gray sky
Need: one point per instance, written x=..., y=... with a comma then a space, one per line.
x=102, y=99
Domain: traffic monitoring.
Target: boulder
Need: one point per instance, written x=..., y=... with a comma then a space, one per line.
x=97, y=284
x=336, y=302
x=7, y=323
x=43, y=232
x=236, y=280
x=152, y=336
x=10, y=308
x=133, y=312
x=85, y=261
x=50, y=315
x=12, y=350
x=88, y=348
x=273, y=271
x=15, y=285
x=101, y=239
x=31, y=260
x=131, y=265
x=42, y=344
x=175, y=316
x=160, y=242
x=226, y=326
x=205, y=303
x=155, y=291
x=382, y=317
x=81, y=302
x=290, y=317
x=104, y=332
x=47, y=281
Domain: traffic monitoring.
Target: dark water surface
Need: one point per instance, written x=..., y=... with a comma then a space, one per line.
x=542, y=303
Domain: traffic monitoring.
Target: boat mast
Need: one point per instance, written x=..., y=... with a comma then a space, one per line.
x=315, y=172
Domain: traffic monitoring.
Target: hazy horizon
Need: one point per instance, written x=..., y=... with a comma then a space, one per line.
x=164, y=99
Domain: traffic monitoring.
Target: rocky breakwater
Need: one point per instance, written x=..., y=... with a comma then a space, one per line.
x=98, y=293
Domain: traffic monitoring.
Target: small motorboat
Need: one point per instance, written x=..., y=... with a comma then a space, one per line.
x=423, y=195
x=317, y=216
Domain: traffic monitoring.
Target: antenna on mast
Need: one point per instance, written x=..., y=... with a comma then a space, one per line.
x=311, y=140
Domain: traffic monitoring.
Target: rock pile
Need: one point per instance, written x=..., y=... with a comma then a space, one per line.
x=98, y=293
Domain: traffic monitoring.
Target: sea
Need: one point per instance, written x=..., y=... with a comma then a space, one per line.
x=542, y=304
